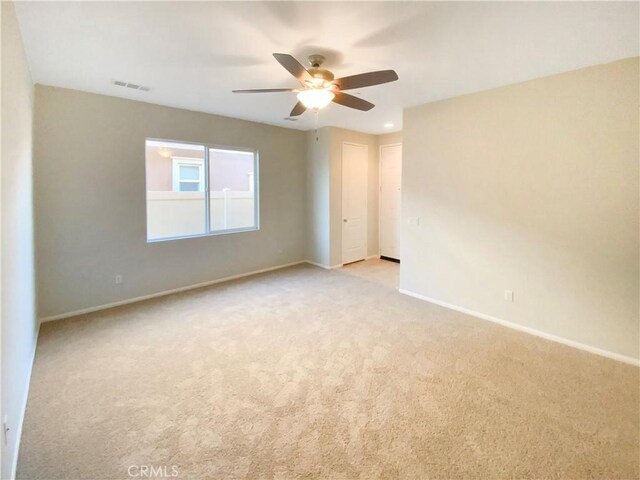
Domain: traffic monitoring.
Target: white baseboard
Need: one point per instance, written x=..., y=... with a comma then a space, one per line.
x=19, y=425
x=529, y=330
x=339, y=265
x=163, y=293
x=326, y=267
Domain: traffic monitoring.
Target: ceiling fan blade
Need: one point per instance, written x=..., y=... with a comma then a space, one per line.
x=299, y=109
x=352, y=102
x=293, y=66
x=265, y=90
x=366, y=79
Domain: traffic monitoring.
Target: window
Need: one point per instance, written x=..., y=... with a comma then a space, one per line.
x=188, y=174
x=197, y=189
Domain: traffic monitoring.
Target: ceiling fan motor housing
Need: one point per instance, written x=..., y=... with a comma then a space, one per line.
x=315, y=71
x=316, y=60
x=321, y=73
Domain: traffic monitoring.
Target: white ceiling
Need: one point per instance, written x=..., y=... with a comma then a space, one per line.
x=193, y=54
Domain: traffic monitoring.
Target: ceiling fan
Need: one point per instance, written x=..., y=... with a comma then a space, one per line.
x=319, y=88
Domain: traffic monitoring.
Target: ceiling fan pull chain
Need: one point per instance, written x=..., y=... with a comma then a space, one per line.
x=316, y=112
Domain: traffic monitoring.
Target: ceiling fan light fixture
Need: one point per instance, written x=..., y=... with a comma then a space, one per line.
x=316, y=99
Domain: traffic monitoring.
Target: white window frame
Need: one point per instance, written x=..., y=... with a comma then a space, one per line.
x=205, y=175
x=188, y=162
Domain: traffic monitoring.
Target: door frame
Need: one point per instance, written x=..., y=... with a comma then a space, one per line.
x=366, y=206
x=380, y=147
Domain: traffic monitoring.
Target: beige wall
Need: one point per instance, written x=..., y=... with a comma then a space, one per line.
x=19, y=325
x=532, y=188
x=390, y=138
x=90, y=200
x=318, y=201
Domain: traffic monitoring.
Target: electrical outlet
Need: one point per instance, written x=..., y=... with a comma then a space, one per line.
x=119, y=279
x=508, y=295
x=5, y=429
x=413, y=220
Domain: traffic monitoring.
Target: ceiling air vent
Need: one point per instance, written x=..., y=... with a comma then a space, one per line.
x=291, y=119
x=132, y=86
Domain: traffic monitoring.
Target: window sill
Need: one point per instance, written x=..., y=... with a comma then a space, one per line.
x=199, y=235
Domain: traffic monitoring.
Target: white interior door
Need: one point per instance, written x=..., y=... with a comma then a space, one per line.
x=390, y=182
x=354, y=202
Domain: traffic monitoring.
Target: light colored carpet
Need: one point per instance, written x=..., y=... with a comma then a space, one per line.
x=307, y=373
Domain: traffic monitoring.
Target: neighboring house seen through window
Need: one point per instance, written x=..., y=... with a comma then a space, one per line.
x=198, y=189
x=188, y=174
